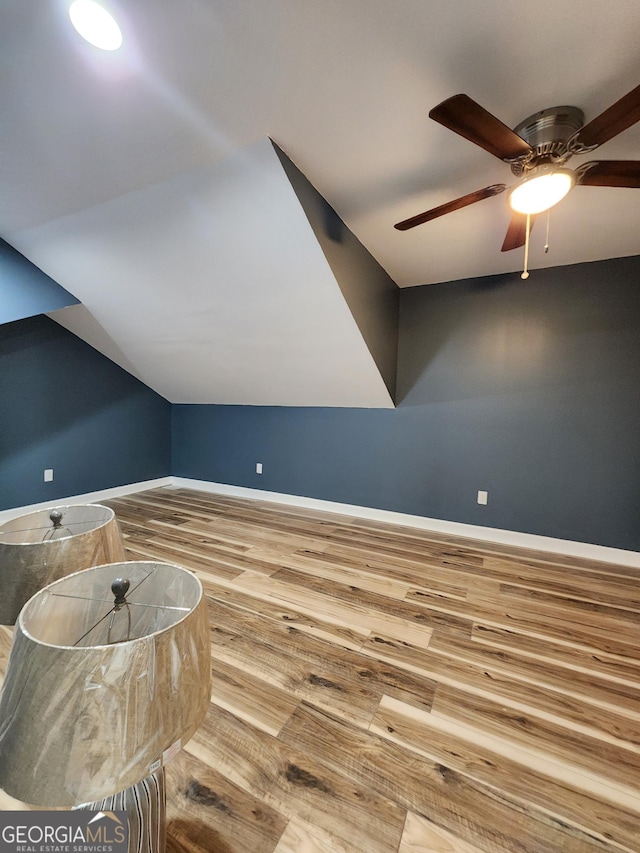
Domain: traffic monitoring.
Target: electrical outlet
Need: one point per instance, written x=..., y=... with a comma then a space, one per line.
x=483, y=498
x=258, y=467
x=48, y=475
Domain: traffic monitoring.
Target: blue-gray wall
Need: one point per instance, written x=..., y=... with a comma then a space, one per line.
x=25, y=290
x=526, y=390
x=67, y=407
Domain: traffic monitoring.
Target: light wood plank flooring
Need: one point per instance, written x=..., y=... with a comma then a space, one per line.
x=379, y=689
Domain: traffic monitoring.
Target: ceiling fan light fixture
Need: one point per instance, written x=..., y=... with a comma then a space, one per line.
x=543, y=187
x=95, y=24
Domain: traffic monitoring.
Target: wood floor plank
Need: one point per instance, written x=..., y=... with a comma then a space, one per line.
x=347, y=816
x=322, y=625
x=423, y=836
x=587, y=600
x=612, y=667
x=153, y=551
x=356, y=668
x=547, y=569
x=317, y=683
x=468, y=808
x=352, y=576
x=201, y=543
x=613, y=637
x=277, y=589
x=252, y=699
x=299, y=839
x=475, y=754
x=207, y=813
x=416, y=614
x=623, y=697
x=554, y=567
x=385, y=689
x=438, y=580
x=598, y=757
x=232, y=561
x=556, y=705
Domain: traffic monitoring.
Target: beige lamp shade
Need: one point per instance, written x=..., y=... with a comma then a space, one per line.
x=86, y=712
x=42, y=546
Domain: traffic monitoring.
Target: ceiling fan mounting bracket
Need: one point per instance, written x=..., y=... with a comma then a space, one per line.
x=549, y=133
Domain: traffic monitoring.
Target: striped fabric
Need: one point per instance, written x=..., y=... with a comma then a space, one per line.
x=145, y=805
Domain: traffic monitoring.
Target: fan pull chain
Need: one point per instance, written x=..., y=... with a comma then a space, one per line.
x=525, y=272
x=546, y=245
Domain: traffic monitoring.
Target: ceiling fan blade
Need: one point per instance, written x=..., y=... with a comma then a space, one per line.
x=611, y=122
x=450, y=206
x=463, y=116
x=609, y=173
x=516, y=232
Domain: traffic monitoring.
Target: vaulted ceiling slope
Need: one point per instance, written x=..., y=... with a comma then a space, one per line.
x=211, y=287
x=143, y=181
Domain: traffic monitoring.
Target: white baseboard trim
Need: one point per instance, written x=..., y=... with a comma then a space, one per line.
x=513, y=538
x=532, y=541
x=89, y=497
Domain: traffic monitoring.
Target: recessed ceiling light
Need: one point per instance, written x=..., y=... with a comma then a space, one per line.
x=95, y=24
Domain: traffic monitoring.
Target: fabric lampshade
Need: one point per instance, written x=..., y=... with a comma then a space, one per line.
x=98, y=695
x=40, y=547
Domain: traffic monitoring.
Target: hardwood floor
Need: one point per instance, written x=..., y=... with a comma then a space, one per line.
x=379, y=689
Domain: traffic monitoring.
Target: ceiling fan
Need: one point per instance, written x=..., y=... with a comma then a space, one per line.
x=538, y=150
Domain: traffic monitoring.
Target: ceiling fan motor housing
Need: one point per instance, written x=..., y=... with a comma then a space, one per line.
x=548, y=132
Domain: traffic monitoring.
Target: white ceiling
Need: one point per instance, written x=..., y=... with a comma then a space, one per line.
x=139, y=180
x=209, y=297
